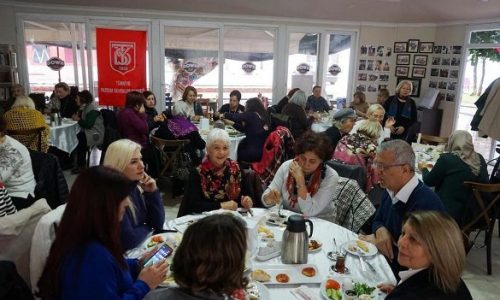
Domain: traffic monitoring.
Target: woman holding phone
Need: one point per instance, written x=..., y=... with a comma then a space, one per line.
x=305, y=184
x=145, y=212
x=86, y=259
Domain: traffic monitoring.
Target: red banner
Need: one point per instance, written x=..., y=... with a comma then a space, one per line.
x=121, y=64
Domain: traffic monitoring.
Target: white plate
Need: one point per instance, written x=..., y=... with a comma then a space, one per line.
x=317, y=249
x=345, y=279
x=263, y=291
x=352, y=247
x=294, y=273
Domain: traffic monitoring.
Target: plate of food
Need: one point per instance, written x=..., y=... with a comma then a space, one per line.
x=360, y=248
x=338, y=288
x=286, y=274
x=276, y=220
x=256, y=290
x=314, y=246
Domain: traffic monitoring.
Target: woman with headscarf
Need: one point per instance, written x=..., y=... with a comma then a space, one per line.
x=402, y=108
x=461, y=163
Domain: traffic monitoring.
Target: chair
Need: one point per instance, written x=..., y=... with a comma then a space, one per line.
x=433, y=140
x=495, y=173
x=486, y=197
x=28, y=137
x=169, y=150
x=39, y=99
x=355, y=172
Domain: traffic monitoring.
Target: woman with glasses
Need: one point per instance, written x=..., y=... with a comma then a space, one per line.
x=403, y=109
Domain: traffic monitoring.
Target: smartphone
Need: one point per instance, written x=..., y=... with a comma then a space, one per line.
x=161, y=253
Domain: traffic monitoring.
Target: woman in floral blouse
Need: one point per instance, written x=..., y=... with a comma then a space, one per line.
x=360, y=148
x=217, y=181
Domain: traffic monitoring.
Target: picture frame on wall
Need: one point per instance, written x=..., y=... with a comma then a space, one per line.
x=400, y=47
x=413, y=46
x=403, y=59
x=416, y=85
x=418, y=72
x=426, y=47
x=402, y=71
x=420, y=60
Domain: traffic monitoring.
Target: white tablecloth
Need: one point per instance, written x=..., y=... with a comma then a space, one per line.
x=63, y=136
x=324, y=232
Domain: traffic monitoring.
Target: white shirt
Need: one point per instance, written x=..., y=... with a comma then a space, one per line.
x=184, y=109
x=16, y=171
x=404, y=275
x=405, y=192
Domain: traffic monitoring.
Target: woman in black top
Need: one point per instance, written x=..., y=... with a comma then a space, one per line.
x=403, y=109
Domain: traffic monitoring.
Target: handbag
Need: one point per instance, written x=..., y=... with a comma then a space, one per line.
x=182, y=166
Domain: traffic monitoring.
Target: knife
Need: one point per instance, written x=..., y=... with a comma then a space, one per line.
x=371, y=267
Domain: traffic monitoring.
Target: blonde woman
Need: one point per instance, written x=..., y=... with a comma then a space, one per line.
x=359, y=104
x=376, y=113
x=460, y=163
x=145, y=212
x=402, y=108
x=24, y=116
x=430, y=245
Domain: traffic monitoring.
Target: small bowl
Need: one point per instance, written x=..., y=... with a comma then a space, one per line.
x=349, y=295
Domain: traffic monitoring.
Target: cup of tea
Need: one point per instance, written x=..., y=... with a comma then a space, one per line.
x=340, y=263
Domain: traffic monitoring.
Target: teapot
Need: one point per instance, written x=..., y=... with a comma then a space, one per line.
x=295, y=242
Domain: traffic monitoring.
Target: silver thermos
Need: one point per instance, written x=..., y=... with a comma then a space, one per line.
x=295, y=242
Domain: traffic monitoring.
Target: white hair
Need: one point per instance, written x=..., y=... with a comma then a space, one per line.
x=217, y=134
x=24, y=101
x=299, y=98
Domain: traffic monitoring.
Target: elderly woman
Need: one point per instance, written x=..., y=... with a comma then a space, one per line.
x=403, y=109
x=430, y=245
x=460, y=163
x=305, y=184
x=295, y=109
x=343, y=122
x=359, y=104
x=24, y=116
x=86, y=259
x=90, y=120
x=284, y=101
x=16, y=171
x=145, y=212
x=376, y=113
x=188, y=106
x=359, y=148
x=132, y=122
x=154, y=119
x=255, y=124
x=209, y=262
x=216, y=183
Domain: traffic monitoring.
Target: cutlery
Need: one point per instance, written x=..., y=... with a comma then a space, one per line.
x=371, y=266
x=250, y=211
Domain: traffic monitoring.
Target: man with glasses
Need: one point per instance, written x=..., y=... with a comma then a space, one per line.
x=404, y=192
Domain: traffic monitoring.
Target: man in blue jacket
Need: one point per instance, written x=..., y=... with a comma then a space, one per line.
x=404, y=192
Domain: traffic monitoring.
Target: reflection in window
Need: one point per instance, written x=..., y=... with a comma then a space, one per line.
x=337, y=68
x=302, y=61
x=485, y=37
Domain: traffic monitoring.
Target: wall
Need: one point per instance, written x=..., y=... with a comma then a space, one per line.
x=8, y=25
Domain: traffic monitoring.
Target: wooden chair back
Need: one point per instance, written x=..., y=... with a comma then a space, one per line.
x=28, y=137
x=433, y=140
x=169, y=151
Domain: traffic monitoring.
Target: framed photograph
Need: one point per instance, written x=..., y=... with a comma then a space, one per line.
x=400, y=47
x=416, y=85
x=403, y=59
x=413, y=46
x=418, y=72
x=402, y=71
x=420, y=60
x=426, y=47
x=436, y=61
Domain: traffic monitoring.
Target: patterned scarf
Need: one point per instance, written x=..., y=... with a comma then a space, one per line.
x=180, y=126
x=220, y=184
x=312, y=182
x=393, y=108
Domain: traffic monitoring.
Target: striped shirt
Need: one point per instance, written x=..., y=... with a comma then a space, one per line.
x=6, y=206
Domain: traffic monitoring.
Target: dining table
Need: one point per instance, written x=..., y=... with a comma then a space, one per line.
x=370, y=269
x=63, y=135
x=427, y=154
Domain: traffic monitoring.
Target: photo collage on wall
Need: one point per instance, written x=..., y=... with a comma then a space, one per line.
x=412, y=58
x=445, y=69
x=373, y=69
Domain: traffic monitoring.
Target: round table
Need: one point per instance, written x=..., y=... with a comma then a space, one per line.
x=323, y=232
x=63, y=136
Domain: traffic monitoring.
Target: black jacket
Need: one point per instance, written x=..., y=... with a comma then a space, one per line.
x=421, y=286
x=50, y=181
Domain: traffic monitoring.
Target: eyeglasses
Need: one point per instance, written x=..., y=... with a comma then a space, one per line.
x=385, y=167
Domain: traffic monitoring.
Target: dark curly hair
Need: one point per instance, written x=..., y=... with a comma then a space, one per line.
x=211, y=256
x=314, y=142
x=85, y=97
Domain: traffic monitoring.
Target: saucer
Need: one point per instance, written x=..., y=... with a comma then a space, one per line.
x=332, y=256
x=334, y=269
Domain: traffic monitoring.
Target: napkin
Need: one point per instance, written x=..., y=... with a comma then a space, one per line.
x=303, y=293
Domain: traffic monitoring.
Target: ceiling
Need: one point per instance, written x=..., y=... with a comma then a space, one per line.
x=386, y=11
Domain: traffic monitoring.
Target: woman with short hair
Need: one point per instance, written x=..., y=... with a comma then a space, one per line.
x=216, y=183
x=188, y=106
x=359, y=104
x=209, y=262
x=458, y=164
x=86, y=259
x=24, y=116
x=153, y=118
x=403, y=109
x=305, y=184
x=145, y=212
x=431, y=246
x=132, y=122
x=295, y=109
